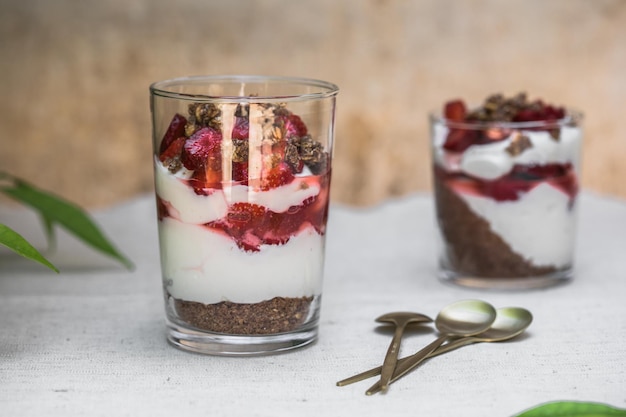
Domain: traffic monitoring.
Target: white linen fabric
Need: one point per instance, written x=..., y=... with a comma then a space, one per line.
x=90, y=341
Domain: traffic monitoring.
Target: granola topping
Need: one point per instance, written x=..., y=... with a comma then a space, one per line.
x=519, y=143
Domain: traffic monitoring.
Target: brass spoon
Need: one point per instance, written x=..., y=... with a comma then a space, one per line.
x=510, y=322
x=463, y=318
x=400, y=320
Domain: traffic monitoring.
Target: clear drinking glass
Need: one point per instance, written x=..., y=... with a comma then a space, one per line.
x=506, y=200
x=242, y=168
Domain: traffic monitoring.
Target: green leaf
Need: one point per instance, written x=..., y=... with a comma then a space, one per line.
x=573, y=409
x=14, y=241
x=48, y=226
x=55, y=210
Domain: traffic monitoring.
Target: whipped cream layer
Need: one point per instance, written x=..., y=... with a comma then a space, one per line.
x=540, y=226
x=491, y=161
x=207, y=267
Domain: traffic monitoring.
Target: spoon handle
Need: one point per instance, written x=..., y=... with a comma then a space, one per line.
x=407, y=366
x=455, y=344
x=391, y=358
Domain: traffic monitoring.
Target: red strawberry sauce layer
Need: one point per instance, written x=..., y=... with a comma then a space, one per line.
x=520, y=180
x=252, y=225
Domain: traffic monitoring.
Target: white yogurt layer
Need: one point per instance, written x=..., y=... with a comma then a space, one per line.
x=539, y=226
x=491, y=161
x=186, y=205
x=207, y=267
x=192, y=208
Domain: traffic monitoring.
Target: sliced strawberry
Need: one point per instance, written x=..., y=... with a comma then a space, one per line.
x=281, y=226
x=203, y=149
x=459, y=140
x=173, y=151
x=250, y=243
x=539, y=113
x=240, y=172
x=245, y=224
x=248, y=215
x=553, y=113
x=505, y=189
x=527, y=115
x=292, y=125
x=567, y=183
x=455, y=110
x=279, y=175
x=175, y=130
x=241, y=129
x=561, y=176
x=204, y=181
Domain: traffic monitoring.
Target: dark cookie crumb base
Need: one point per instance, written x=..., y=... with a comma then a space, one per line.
x=278, y=315
x=472, y=249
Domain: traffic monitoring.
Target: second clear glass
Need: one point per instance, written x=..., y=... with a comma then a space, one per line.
x=506, y=196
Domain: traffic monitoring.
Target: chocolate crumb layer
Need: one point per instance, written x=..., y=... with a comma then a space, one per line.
x=472, y=248
x=278, y=315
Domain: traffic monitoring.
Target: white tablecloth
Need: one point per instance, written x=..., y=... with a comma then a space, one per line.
x=90, y=341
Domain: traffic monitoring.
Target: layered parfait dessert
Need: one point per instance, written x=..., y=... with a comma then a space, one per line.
x=506, y=182
x=242, y=196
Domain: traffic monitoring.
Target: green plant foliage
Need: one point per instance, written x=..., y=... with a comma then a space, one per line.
x=13, y=240
x=54, y=210
x=573, y=409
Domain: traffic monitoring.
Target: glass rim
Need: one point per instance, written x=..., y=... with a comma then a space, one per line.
x=572, y=117
x=163, y=88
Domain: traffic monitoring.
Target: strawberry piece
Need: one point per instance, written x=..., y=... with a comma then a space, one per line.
x=203, y=150
x=527, y=115
x=204, y=181
x=281, y=226
x=173, y=151
x=251, y=225
x=292, y=125
x=279, y=175
x=455, y=110
x=241, y=129
x=568, y=183
x=553, y=113
x=247, y=215
x=505, y=189
x=245, y=224
x=240, y=172
x=561, y=176
x=459, y=140
x=175, y=130
x=536, y=114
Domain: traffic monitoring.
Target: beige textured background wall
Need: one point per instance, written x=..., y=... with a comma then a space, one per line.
x=74, y=76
